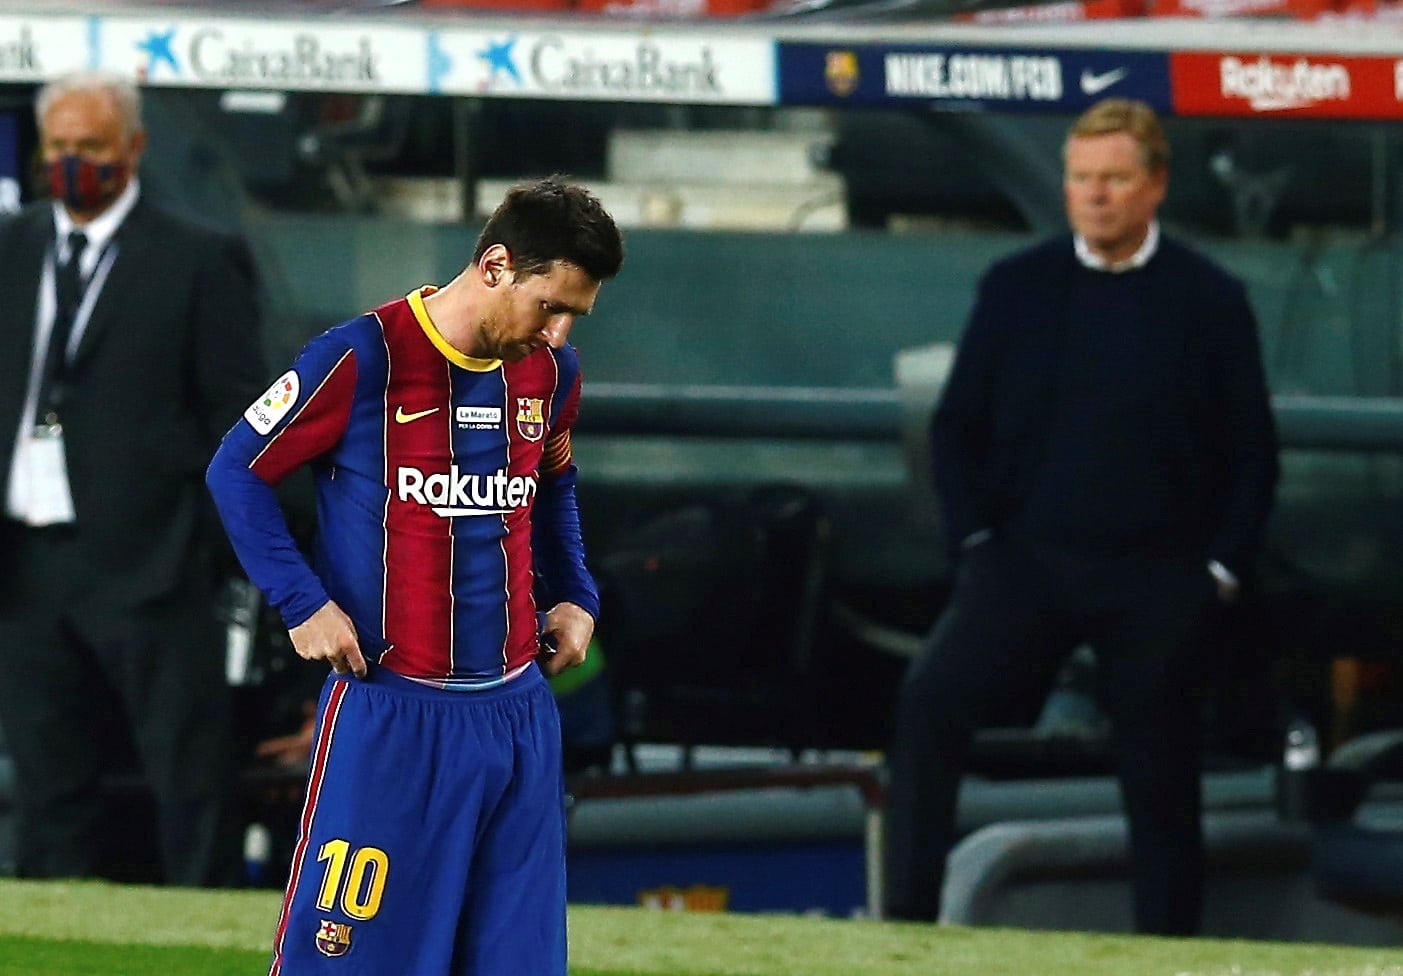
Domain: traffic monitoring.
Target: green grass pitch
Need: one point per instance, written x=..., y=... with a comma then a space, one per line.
x=95, y=929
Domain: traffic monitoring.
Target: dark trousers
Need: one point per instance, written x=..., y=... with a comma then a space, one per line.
x=1017, y=611
x=59, y=657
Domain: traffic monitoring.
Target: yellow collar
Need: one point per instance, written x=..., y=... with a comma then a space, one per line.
x=416, y=303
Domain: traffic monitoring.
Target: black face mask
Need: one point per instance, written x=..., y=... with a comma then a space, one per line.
x=86, y=186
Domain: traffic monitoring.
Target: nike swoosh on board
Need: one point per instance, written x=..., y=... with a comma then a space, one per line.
x=1094, y=84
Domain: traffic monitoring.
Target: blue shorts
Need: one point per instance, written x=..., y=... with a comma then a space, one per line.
x=432, y=839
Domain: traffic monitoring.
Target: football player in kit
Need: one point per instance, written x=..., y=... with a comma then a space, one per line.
x=432, y=839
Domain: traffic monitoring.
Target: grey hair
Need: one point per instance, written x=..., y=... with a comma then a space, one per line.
x=122, y=89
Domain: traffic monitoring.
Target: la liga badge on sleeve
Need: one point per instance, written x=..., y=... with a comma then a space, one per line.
x=264, y=413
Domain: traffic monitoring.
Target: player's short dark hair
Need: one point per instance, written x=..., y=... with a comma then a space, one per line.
x=551, y=220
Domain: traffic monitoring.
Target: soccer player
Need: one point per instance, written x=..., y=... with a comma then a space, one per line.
x=432, y=839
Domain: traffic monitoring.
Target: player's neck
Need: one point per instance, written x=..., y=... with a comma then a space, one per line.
x=450, y=310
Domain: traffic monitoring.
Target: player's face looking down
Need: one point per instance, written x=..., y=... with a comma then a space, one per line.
x=530, y=311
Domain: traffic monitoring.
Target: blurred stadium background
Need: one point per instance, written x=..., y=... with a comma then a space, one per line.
x=810, y=190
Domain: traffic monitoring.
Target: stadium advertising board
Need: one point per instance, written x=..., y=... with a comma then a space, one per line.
x=968, y=78
x=306, y=55
x=35, y=48
x=623, y=65
x=689, y=66
x=1292, y=85
x=240, y=53
x=1055, y=12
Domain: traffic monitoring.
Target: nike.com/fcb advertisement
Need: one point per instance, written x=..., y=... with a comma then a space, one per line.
x=1203, y=83
x=1004, y=79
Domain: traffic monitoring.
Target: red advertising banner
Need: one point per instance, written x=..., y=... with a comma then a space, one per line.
x=1371, y=10
x=1315, y=86
x=1307, y=9
x=1058, y=11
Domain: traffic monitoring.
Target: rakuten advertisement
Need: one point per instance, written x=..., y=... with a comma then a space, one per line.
x=1296, y=85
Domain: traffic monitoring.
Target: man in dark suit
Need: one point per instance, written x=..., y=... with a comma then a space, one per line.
x=1106, y=460
x=128, y=343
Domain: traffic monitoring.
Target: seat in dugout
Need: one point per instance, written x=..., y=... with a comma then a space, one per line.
x=710, y=620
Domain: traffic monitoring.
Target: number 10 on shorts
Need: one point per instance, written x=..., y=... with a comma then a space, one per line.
x=356, y=878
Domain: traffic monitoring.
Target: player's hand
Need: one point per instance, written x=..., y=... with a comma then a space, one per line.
x=328, y=635
x=569, y=628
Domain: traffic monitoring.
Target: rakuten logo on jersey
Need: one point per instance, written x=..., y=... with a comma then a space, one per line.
x=457, y=493
x=1270, y=86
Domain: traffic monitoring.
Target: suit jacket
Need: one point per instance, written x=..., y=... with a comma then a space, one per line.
x=171, y=355
x=1214, y=430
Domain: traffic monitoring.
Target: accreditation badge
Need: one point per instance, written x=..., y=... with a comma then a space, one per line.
x=45, y=467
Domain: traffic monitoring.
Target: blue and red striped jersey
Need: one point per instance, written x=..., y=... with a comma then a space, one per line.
x=445, y=494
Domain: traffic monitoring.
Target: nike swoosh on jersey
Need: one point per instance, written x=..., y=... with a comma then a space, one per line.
x=1095, y=84
x=403, y=418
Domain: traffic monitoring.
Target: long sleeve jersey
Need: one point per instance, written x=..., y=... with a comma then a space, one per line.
x=445, y=494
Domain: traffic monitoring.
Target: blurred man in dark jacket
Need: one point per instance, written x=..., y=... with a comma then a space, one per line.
x=128, y=344
x=1106, y=460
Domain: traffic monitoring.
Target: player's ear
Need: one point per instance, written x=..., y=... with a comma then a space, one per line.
x=494, y=264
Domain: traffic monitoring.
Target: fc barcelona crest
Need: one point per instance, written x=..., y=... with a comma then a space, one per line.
x=333, y=938
x=841, y=72
x=530, y=421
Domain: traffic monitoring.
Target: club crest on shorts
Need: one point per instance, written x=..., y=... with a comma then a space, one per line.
x=333, y=938
x=530, y=420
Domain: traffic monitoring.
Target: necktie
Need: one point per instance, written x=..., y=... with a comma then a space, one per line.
x=68, y=293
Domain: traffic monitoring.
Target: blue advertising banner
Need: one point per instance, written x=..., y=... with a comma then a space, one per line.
x=958, y=78
x=9, y=162
x=826, y=877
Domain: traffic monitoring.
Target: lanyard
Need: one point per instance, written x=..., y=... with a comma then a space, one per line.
x=53, y=375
